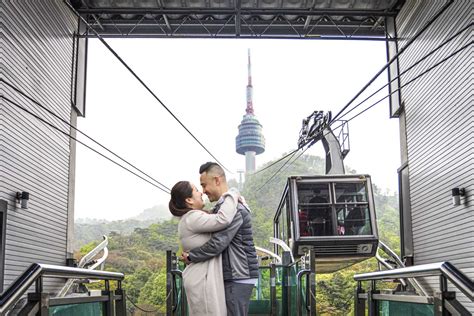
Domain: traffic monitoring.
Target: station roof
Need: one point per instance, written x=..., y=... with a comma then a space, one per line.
x=305, y=19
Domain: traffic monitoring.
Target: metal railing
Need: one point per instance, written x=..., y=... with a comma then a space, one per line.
x=89, y=262
x=445, y=269
x=36, y=272
x=399, y=263
x=443, y=300
x=294, y=281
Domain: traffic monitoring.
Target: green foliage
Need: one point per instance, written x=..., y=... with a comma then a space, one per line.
x=88, y=248
x=87, y=230
x=153, y=292
x=335, y=293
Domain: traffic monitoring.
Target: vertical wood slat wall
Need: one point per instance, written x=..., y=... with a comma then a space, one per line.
x=440, y=131
x=36, y=57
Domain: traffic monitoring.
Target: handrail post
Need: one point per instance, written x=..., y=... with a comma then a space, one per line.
x=109, y=305
x=38, y=300
x=39, y=285
x=299, y=277
x=273, y=299
x=121, y=304
x=284, y=291
x=169, y=285
x=286, y=284
x=184, y=304
x=312, y=283
x=439, y=296
x=359, y=304
x=372, y=304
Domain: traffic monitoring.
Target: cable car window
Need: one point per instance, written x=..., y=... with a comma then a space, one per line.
x=314, y=209
x=283, y=222
x=313, y=193
x=351, y=192
x=315, y=221
x=353, y=220
x=352, y=209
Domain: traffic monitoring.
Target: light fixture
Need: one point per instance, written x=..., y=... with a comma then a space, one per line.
x=22, y=199
x=457, y=193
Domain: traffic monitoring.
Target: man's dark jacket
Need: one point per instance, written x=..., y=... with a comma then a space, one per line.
x=239, y=258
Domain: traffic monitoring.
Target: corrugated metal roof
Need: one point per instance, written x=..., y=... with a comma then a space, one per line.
x=351, y=19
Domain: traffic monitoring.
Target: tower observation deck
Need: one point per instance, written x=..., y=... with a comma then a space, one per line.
x=250, y=141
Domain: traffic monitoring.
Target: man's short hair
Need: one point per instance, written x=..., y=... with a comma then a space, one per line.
x=213, y=168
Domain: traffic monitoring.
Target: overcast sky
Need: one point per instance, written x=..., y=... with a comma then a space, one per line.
x=203, y=82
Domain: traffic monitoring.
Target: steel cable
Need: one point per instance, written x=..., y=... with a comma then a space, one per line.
x=80, y=142
x=101, y=39
x=275, y=162
x=276, y=172
x=82, y=133
x=408, y=44
x=377, y=102
x=411, y=67
x=141, y=308
x=413, y=79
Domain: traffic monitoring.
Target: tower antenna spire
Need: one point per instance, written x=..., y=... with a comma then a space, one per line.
x=249, y=108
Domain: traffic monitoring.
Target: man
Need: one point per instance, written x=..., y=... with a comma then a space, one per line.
x=239, y=257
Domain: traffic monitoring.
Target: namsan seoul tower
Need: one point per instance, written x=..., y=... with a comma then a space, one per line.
x=250, y=141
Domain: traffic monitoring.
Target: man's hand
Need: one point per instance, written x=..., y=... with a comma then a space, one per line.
x=184, y=257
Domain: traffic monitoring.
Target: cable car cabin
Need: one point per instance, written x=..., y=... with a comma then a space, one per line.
x=333, y=215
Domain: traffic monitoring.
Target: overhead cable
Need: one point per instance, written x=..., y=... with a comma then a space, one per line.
x=283, y=168
x=295, y=159
x=411, y=67
x=82, y=133
x=413, y=79
x=292, y=153
x=382, y=87
x=408, y=44
x=80, y=142
x=372, y=105
x=276, y=172
x=141, y=81
x=275, y=162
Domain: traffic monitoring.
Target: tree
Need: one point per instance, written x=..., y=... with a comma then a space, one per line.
x=153, y=292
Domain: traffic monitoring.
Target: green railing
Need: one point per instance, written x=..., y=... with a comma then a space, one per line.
x=282, y=289
x=94, y=308
x=443, y=302
x=107, y=302
x=387, y=308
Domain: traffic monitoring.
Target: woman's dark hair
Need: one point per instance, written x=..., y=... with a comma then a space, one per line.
x=179, y=193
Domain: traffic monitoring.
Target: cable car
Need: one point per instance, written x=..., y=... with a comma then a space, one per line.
x=332, y=215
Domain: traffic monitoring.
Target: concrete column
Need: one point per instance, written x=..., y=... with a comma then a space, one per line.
x=249, y=161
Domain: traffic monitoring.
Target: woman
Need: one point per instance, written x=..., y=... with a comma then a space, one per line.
x=203, y=281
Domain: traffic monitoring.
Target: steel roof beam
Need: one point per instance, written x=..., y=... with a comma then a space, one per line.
x=243, y=11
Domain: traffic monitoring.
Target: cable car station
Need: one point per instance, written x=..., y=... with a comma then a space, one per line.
x=323, y=223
